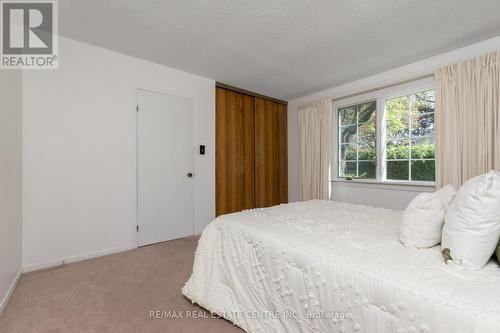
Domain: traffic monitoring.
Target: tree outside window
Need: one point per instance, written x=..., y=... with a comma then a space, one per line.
x=408, y=147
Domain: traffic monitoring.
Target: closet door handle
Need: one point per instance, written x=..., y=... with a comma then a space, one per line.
x=190, y=174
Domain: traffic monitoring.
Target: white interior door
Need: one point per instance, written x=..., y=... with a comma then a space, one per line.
x=165, y=151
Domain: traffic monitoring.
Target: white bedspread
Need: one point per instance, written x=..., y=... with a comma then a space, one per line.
x=303, y=267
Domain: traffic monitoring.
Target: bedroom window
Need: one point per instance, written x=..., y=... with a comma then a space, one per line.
x=387, y=135
x=357, y=141
x=410, y=149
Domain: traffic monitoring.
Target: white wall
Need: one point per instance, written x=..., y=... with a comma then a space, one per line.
x=378, y=195
x=364, y=193
x=80, y=151
x=10, y=181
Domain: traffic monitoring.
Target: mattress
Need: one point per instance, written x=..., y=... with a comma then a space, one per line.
x=326, y=266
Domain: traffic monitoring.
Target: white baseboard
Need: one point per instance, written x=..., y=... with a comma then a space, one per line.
x=80, y=257
x=11, y=289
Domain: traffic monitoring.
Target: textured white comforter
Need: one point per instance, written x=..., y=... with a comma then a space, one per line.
x=325, y=266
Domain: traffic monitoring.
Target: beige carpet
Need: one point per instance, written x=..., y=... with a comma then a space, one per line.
x=111, y=294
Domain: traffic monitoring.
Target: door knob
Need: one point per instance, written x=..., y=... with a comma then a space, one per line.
x=190, y=175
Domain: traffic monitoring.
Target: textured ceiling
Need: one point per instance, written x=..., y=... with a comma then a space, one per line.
x=281, y=48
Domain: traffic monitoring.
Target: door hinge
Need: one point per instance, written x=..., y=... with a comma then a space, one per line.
x=137, y=228
x=137, y=108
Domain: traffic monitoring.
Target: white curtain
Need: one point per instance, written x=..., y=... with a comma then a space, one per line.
x=468, y=119
x=315, y=131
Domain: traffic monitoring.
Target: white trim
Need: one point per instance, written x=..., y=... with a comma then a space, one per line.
x=381, y=148
x=80, y=257
x=10, y=291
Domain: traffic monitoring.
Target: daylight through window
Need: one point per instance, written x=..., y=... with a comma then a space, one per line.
x=410, y=150
x=405, y=133
x=358, y=128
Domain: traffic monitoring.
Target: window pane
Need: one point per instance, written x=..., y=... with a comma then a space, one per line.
x=357, y=146
x=348, y=134
x=398, y=170
x=397, y=118
x=367, y=132
x=423, y=147
x=367, y=170
x=347, y=169
x=424, y=101
x=399, y=150
x=423, y=170
x=422, y=123
x=367, y=151
x=348, y=152
x=367, y=112
x=410, y=136
x=348, y=115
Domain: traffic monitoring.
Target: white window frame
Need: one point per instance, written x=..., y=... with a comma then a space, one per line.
x=380, y=96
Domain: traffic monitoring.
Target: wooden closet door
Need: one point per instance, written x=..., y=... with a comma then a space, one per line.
x=271, y=167
x=234, y=152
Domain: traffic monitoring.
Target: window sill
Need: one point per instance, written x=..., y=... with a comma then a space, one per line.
x=409, y=186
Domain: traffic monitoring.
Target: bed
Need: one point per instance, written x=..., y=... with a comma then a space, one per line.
x=326, y=266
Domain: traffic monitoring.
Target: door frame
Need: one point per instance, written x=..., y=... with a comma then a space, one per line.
x=135, y=131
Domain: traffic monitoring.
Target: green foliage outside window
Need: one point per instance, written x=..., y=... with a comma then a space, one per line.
x=358, y=141
x=410, y=149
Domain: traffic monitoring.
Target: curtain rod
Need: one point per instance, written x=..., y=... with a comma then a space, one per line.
x=384, y=87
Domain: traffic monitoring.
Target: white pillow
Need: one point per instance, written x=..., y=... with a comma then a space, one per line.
x=423, y=219
x=472, y=227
